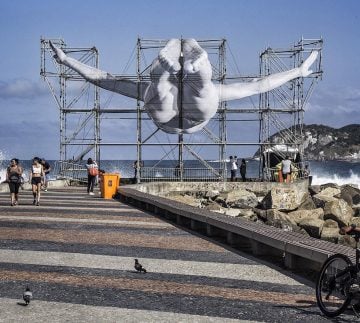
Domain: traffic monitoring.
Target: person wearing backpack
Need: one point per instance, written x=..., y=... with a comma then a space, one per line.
x=13, y=177
x=93, y=171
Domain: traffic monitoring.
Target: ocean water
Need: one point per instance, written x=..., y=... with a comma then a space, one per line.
x=339, y=172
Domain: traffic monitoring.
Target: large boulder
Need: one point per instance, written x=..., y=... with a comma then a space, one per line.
x=187, y=199
x=260, y=213
x=339, y=211
x=347, y=241
x=285, y=198
x=330, y=191
x=213, y=207
x=330, y=234
x=240, y=198
x=356, y=209
x=248, y=214
x=331, y=224
x=350, y=194
x=355, y=221
x=329, y=185
x=312, y=226
x=308, y=204
x=320, y=200
x=232, y=212
x=314, y=189
x=211, y=194
x=280, y=219
x=299, y=215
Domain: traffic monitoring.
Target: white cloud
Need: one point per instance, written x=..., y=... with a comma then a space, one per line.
x=334, y=106
x=22, y=89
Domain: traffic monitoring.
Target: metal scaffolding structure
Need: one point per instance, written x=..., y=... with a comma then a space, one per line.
x=77, y=100
x=81, y=113
x=282, y=109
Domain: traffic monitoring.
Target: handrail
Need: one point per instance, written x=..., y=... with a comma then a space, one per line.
x=71, y=170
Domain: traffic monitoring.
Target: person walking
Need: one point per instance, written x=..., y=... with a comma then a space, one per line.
x=286, y=169
x=243, y=170
x=13, y=177
x=306, y=173
x=93, y=171
x=233, y=168
x=35, y=178
x=47, y=168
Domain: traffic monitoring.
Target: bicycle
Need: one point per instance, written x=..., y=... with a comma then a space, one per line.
x=338, y=283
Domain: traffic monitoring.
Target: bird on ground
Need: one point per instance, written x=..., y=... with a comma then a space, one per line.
x=27, y=296
x=139, y=267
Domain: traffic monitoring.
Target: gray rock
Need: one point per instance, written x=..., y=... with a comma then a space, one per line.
x=330, y=191
x=339, y=211
x=312, y=226
x=221, y=199
x=320, y=200
x=347, y=241
x=331, y=224
x=329, y=185
x=314, y=189
x=260, y=213
x=248, y=214
x=213, y=207
x=355, y=221
x=212, y=194
x=285, y=198
x=187, y=199
x=232, y=212
x=350, y=194
x=299, y=215
x=240, y=198
x=330, y=234
x=356, y=209
x=308, y=204
x=279, y=219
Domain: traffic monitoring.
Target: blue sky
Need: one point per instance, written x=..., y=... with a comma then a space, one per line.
x=29, y=120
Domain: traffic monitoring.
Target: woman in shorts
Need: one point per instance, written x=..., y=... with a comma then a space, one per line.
x=13, y=177
x=36, y=174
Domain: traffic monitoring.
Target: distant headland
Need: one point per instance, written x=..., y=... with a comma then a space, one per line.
x=327, y=143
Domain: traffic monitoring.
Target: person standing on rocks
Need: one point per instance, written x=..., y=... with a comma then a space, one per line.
x=233, y=168
x=243, y=170
x=307, y=173
x=286, y=169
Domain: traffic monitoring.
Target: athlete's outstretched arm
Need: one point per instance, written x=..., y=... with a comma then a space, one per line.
x=240, y=90
x=101, y=78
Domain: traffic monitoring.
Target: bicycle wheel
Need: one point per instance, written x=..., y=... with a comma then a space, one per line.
x=332, y=286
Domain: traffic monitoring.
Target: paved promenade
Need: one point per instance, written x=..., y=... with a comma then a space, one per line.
x=76, y=252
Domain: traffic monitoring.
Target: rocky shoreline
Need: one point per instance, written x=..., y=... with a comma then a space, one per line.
x=318, y=211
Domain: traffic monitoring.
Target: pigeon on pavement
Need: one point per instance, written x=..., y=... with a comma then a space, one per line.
x=27, y=296
x=139, y=267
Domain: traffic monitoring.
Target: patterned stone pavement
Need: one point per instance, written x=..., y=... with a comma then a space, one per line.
x=76, y=252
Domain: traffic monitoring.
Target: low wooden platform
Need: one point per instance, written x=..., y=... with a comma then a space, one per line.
x=296, y=249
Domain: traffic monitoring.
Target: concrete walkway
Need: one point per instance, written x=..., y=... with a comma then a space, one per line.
x=76, y=252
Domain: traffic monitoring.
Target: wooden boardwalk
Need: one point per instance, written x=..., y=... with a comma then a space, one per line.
x=76, y=252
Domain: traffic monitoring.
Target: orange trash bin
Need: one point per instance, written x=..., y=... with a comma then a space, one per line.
x=109, y=184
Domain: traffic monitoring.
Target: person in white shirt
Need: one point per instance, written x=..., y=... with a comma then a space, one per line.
x=233, y=167
x=36, y=175
x=286, y=169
